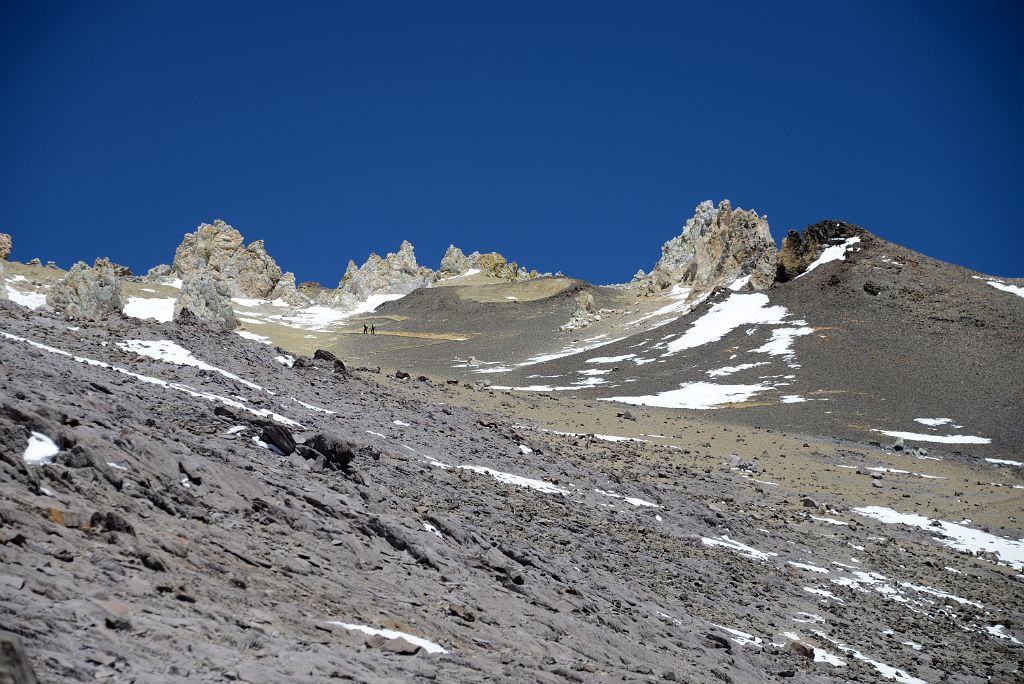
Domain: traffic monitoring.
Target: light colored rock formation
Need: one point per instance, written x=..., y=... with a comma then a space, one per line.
x=5, y=246
x=87, y=292
x=454, y=262
x=157, y=273
x=288, y=292
x=396, y=273
x=205, y=298
x=585, y=312
x=717, y=246
x=247, y=271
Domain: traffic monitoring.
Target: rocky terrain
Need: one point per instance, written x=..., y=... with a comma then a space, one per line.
x=748, y=465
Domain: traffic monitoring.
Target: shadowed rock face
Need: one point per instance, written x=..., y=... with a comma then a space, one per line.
x=248, y=271
x=717, y=246
x=205, y=298
x=800, y=250
x=87, y=292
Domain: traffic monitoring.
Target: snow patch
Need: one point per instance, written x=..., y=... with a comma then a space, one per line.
x=173, y=353
x=161, y=309
x=40, y=449
x=941, y=439
x=425, y=644
x=832, y=253
x=695, y=395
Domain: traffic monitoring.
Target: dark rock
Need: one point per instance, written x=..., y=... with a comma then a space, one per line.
x=324, y=355
x=402, y=375
x=801, y=649
x=279, y=436
x=14, y=664
x=872, y=288
x=338, y=453
x=111, y=522
x=808, y=502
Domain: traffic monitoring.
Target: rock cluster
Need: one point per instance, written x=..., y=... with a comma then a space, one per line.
x=585, y=312
x=717, y=246
x=5, y=246
x=287, y=291
x=87, y=292
x=455, y=262
x=396, y=273
x=800, y=250
x=205, y=298
x=246, y=270
x=157, y=273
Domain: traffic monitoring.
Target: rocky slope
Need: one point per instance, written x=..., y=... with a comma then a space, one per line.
x=750, y=466
x=168, y=514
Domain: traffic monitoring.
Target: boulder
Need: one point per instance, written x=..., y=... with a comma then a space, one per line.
x=205, y=298
x=247, y=271
x=800, y=250
x=5, y=246
x=88, y=292
x=718, y=245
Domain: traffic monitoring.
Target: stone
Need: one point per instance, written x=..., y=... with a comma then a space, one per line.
x=872, y=289
x=402, y=375
x=5, y=246
x=718, y=245
x=279, y=436
x=14, y=663
x=205, y=299
x=800, y=250
x=337, y=453
x=401, y=647
x=87, y=292
x=247, y=270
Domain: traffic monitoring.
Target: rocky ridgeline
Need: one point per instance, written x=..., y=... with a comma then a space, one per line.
x=88, y=292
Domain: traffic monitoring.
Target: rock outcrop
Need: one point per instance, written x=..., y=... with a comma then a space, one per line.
x=454, y=262
x=157, y=273
x=717, y=246
x=800, y=250
x=246, y=270
x=205, y=298
x=396, y=273
x=585, y=312
x=287, y=291
x=5, y=246
x=3, y=283
x=493, y=264
x=87, y=292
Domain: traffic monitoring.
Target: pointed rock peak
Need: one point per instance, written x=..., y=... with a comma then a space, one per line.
x=219, y=248
x=718, y=246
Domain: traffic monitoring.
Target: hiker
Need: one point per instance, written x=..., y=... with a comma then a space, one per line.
x=365, y=328
x=373, y=330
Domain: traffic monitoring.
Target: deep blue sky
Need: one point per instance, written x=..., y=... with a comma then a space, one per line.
x=568, y=135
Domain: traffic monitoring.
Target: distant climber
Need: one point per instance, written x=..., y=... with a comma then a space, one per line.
x=365, y=328
x=373, y=330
